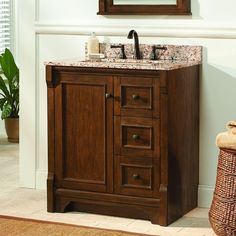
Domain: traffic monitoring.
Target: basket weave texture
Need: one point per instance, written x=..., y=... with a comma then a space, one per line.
x=222, y=214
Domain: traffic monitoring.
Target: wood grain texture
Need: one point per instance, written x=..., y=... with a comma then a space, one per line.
x=146, y=129
x=51, y=144
x=84, y=132
x=121, y=156
x=183, y=141
x=110, y=204
x=84, y=125
x=127, y=184
x=182, y=7
x=137, y=96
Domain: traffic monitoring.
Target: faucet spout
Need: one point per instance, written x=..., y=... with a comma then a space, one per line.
x=134, y=34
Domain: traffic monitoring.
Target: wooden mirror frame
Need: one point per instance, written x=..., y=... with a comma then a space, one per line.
x=106, y=7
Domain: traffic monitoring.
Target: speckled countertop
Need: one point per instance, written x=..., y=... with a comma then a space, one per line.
x=173, y=57
x=128, y=64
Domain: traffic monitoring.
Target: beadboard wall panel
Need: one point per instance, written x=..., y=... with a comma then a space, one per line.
x=58, y=30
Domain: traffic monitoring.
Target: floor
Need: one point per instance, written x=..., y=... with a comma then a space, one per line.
x=30, y=203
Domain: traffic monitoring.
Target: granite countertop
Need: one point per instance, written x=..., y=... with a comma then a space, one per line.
x=126, y=64
x=173, y=57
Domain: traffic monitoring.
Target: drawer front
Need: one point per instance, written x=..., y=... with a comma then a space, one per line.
x=137, y=177
x=137, y=136
x=137, y=96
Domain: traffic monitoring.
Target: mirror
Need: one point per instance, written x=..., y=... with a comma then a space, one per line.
x=144, y=7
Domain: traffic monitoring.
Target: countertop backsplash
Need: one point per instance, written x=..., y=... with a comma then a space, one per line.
x=173, y=52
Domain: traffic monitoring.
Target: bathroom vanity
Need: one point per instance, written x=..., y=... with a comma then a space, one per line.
x=123, y=138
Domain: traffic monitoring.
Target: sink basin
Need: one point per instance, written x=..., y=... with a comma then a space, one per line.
x=132, y=61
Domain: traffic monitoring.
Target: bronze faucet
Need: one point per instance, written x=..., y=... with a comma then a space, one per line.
x=134, y=34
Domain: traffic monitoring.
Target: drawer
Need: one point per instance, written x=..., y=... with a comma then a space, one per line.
x=137, y=136
x=136, y=96
x=136, y=177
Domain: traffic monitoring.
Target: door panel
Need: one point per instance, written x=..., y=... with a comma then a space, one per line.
x=85, y=146
x=84, y=124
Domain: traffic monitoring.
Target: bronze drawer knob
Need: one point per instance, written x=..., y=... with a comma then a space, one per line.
x=108, y=95
x=136, y=176
x=135, y=136
x=135, y=96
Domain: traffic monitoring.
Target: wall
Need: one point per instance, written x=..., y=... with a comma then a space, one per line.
x=2, y=127
x=51, y=30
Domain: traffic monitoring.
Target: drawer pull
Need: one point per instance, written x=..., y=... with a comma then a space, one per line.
x=135, y=136
x=108, y=95
x=135, y=96
x=136, y=176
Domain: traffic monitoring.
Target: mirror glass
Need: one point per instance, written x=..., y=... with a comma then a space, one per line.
x=144, y=2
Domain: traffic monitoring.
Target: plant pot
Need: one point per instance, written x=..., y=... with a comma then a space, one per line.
x=12, y=129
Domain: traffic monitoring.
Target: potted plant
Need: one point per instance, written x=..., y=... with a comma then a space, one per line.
x=9, y=95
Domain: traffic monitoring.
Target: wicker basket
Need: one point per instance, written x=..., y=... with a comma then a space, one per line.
x=222, y=214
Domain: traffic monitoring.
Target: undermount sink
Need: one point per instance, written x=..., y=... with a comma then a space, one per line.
x=132, y=61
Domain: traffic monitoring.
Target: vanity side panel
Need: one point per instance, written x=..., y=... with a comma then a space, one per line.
x=51, y=143
x=183, y=141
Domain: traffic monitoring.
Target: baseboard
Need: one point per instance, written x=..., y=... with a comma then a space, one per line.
x=3, y=135
x=205, y=195
x=41, y=179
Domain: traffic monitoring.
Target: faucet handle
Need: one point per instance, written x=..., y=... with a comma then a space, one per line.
x=122, y=47
x=154, y=54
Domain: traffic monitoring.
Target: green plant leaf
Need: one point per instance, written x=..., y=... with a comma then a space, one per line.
x=15, y=92
x=9, y=85
x=6, y=111
x=3, y=87
x=2, y=101
x=8, y=65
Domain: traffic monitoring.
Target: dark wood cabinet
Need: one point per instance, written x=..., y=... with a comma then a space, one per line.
x=84, y=132
x=123, y=142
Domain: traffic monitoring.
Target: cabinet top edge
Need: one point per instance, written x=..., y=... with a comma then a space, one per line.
x=162, y=65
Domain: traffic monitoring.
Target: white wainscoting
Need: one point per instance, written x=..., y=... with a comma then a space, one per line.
x=43, y=40
x=198, y=29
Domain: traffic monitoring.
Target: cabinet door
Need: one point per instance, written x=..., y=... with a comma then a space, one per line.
x=84, y=132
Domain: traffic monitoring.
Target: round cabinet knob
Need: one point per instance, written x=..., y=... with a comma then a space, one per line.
x=135, y=136
x=108, y=95
x=136, y=176
x=135, y=96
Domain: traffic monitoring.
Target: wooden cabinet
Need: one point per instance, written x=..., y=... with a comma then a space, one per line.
x=123, y=142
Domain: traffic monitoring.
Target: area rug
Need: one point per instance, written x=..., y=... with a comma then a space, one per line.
x=14, y=226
